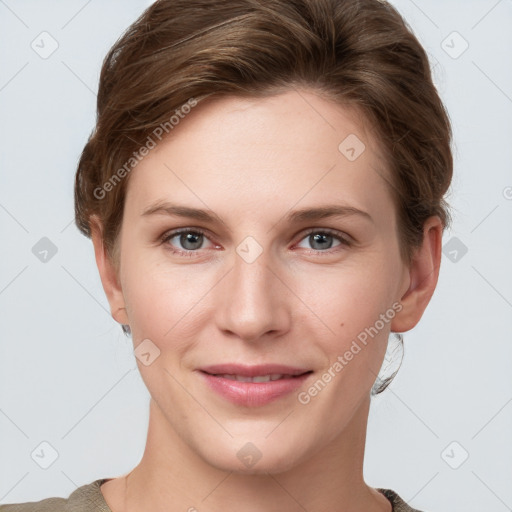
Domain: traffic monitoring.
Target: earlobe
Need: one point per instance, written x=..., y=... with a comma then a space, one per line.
x=108, y=274
x=423, y=276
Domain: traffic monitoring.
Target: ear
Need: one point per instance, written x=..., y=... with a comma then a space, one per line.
x=108, y=274
x=421, y=277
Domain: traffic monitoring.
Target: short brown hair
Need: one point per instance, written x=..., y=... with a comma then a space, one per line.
x=360, y=53
x=357, y=53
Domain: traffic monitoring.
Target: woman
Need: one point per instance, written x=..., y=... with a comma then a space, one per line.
x=264, y=192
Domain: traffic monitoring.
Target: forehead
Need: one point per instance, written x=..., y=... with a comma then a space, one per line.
x=259, y=150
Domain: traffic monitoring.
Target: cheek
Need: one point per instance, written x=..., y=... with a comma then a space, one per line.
x=355, y=302
x=163, y=299
x=348, y=298
x=168, y=303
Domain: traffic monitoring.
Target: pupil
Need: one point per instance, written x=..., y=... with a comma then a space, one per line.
x=317, y=238
x=191, y=238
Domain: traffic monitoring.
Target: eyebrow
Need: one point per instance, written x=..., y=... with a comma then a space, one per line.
x=293, y=217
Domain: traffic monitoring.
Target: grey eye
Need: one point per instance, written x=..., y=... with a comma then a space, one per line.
x=320, y=241
x=186, y=240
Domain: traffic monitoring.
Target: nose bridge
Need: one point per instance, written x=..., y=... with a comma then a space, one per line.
x=252, y=301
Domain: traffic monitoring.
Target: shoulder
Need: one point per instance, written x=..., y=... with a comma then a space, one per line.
x=87, y=498
x=399, y=505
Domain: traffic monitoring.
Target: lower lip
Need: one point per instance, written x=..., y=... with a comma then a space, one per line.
x=253, y=394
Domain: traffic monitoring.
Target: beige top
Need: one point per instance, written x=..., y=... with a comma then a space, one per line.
x=88, y=498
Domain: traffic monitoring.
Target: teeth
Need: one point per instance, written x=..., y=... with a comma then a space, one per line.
x=257, y=378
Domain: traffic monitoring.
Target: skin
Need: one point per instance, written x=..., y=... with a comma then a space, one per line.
x=251, y=162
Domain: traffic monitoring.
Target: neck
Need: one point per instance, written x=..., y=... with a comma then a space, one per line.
x=170, y=472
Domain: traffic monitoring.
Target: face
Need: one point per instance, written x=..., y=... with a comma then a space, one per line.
x=262, y=276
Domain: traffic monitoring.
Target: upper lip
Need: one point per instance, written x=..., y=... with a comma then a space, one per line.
x=253, y=371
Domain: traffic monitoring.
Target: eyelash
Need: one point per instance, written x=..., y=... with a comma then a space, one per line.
x=191, y=253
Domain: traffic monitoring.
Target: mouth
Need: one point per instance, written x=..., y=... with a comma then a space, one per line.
x=258, y=378
x=256, y=373
x=253, y=386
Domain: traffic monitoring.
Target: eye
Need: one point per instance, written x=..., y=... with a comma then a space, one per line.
x=321, y=240
x=188, y=240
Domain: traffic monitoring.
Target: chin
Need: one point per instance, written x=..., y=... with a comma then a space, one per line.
x=254, y=458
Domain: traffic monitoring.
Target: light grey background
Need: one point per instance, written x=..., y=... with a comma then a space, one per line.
x=68, y=375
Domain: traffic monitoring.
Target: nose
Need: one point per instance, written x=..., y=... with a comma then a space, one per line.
x=253, y=303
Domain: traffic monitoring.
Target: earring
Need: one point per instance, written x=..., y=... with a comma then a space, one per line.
x=391, y=364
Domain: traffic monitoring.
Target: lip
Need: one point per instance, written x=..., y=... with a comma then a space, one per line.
x=253, y=394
